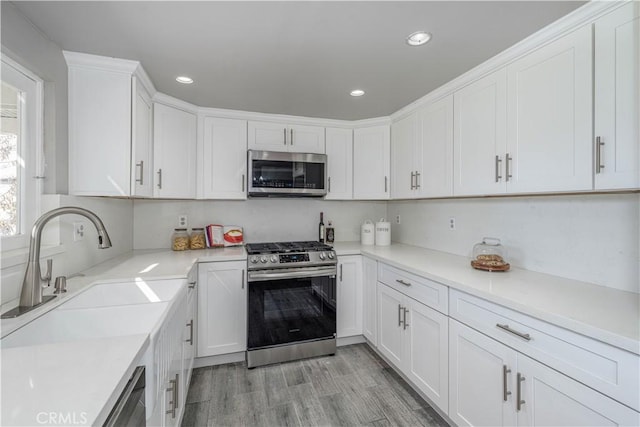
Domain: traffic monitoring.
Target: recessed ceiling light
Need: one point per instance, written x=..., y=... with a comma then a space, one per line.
x=357, y=92
x=184, y=80
x=418, y=38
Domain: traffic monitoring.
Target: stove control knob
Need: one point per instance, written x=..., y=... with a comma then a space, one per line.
x=332, y=255
x=274, y=258
x=322, y=256
x=254, y=259
x=263, y=259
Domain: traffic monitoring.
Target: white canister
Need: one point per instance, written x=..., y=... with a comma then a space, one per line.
x=367, y=236
x=383, y=233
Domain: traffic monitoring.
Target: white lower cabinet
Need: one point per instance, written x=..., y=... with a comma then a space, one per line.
x=492, y=384
x=414, y=337
x=369, y=299
x=222, y=308
x=349, y=291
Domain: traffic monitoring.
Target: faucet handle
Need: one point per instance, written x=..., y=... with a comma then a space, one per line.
x=47, y=276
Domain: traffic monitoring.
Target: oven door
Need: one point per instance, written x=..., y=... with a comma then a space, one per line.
x=286, y=174
x=291, y=305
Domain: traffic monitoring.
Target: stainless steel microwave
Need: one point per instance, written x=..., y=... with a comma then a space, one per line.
x=273, y=173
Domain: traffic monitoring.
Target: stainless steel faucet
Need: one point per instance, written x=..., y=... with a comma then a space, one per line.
x=32, y=285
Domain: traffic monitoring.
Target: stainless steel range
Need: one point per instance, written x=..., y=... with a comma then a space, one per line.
x=292, y=301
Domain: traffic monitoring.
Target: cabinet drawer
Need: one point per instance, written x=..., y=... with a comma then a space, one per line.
x=610, y=370
x=427, y=292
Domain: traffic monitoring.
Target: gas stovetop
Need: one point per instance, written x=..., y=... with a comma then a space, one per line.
x=289, y=255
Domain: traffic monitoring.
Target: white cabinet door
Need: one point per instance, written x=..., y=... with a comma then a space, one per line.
x=267, y=136
x=174, y=394
x=222, y=308
x=617, y=98
x=371, y=166
x=426, y=351
x=99, y=132
x=224, y=162
x=339, y=149
x=479, y=136
x=549, y=123
x=369, y=299
x=481, y=373
x=434, y=154
x=404, y=137
x=390, y=314
x=306, y=139
x=141, y=144
x=552, y=399
x=174, y=148
x=349, y=290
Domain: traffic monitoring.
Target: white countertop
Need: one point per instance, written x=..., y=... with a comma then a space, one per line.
x=606, y=314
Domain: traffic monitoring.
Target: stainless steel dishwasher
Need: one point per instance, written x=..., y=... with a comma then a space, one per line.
x=129, y=410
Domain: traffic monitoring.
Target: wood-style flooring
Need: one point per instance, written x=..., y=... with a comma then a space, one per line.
x=353, y=388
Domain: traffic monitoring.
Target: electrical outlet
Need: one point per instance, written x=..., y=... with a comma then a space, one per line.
x=452, y=223
x=397, y=219
x=182, y=221
x=78, y=231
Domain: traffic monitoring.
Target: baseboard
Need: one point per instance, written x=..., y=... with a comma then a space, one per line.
x=356, y=339
x=221, y=359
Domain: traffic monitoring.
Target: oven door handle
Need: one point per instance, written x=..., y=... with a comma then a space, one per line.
x=261, y=276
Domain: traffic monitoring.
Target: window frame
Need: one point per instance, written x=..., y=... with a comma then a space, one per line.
x=31, y=175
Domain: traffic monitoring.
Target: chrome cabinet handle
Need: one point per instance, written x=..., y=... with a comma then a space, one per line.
x=192, y=285
x=177, y=391
x=341, y=272
x=329, y=184
x=519, y=400
x=160, y=179
x=402, y=282
x=141, y=179
x=404, y=319
x=417, y=180
x=399, y=315
x=599, y=144
x=291, y=139
x=285, y=136
x=386, y=180
x=498, y=176
x=507, y=174
x=505, y=391
x=242, y=279
x=190, y=325
x=525, y=337
x=413, y=175
x=243, y=179
x=172, y=402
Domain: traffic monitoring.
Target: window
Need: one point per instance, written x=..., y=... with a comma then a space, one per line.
x=20, y=153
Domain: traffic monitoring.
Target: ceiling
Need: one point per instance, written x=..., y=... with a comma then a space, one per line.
x=299, y=58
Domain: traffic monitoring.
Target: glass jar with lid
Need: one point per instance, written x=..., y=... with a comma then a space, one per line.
x=180, y=239
x=196, y=239
x=490, y=255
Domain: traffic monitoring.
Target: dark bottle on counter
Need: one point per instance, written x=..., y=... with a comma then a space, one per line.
x=321, y=229
x=330, y=234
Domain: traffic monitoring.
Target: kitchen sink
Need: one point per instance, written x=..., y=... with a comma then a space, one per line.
x=87, y=323
x=126, y=293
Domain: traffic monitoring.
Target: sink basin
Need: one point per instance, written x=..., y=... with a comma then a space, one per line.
x=125, y=293
x=87, y=323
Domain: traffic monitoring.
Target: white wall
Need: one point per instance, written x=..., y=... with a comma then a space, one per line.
x=117, y=216
x=593, y=238
x=263, y=219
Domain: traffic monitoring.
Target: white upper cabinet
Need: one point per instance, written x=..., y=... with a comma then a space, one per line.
x=224, y=158
x=174, y=150
x=434, y=158
x=339, y=146
x=617, y=99
x=109, y=127
x=422, y=152
x=549, y=124
x=479, y=135
x=269, y=136
x=371, y=168
x=404, y=141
